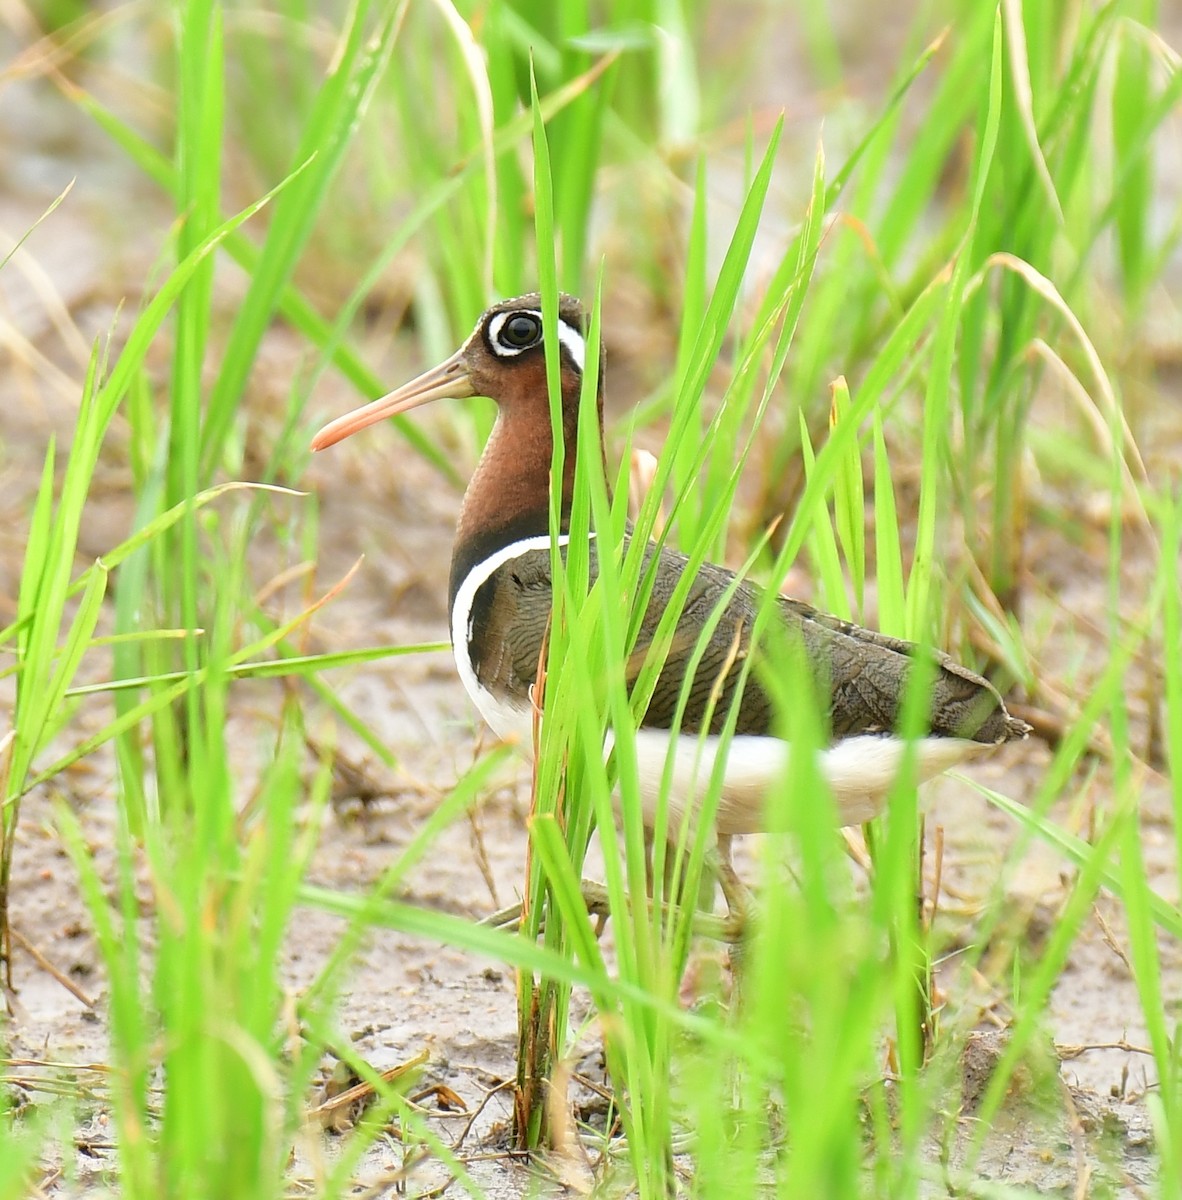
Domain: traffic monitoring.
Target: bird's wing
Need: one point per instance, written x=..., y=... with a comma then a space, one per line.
x=867, y=674
x=863, y=673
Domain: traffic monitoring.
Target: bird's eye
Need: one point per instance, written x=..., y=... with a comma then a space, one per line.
x=521, y=330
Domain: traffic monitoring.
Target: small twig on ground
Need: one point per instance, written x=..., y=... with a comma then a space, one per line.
x=1067, y=1052
x=48, y=967
x=327, y=1110
x=1083, y=1168
x=1110, y=939
x=481, y=854
x=489, y=1093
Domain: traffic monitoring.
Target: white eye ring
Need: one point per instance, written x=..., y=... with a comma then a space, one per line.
x=569, y=338
x=496, y=327
x=526, y=324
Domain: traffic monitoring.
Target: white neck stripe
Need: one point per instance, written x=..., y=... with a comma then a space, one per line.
x=495, y=711
x=480, y=574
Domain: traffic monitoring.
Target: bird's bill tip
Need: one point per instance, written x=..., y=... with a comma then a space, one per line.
x=449, y=380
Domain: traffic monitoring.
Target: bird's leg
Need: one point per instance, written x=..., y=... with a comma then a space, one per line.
x=734, y=890
x=738, y=909
x=595, y=896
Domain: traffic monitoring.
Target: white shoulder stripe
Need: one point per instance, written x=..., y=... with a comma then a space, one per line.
x=503, y=721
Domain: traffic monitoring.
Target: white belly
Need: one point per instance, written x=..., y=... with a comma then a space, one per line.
x=859, y=770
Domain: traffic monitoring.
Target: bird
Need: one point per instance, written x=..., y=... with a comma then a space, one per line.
x=500, y=599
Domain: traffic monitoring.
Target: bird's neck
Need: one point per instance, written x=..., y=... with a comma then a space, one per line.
x=508, y=497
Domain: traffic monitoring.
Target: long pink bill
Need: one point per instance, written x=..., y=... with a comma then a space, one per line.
x=449, y=380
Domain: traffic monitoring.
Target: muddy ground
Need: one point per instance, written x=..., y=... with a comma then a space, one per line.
x=407, y=997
